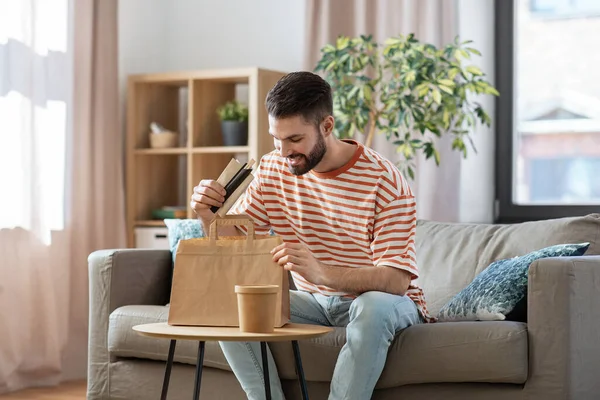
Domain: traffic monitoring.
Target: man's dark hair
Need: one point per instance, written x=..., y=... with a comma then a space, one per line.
x=300, y=94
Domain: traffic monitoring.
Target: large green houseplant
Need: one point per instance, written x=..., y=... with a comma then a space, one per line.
x=411, y=91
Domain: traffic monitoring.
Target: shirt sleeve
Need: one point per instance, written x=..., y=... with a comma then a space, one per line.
x=251, y=203
x=394, y=231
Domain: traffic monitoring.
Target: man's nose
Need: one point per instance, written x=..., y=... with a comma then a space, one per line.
x=284, y=150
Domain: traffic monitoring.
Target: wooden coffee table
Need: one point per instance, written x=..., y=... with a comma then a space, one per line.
x=202, y=334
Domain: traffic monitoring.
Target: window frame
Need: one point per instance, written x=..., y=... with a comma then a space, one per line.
x=505, y=210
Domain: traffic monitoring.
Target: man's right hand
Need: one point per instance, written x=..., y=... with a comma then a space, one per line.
x=208, y=193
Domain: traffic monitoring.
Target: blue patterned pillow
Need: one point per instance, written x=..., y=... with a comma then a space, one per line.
x=182, y=229
x=496, y=290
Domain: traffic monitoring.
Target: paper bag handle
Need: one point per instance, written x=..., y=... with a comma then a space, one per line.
x=232, y=220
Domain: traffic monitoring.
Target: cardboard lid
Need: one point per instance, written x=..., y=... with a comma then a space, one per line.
x=256, y=289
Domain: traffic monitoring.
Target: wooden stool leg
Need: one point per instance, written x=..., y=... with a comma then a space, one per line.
x=265, y=361
x=165, y=387
x=299, y=370
x=199, y=364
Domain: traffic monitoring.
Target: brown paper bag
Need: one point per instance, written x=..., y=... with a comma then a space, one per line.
x=207, y=270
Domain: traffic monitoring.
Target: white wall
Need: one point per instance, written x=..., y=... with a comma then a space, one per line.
x=167, y=35
x=142, y=41
x=226, y=33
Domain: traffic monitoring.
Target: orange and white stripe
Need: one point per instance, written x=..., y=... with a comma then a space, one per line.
x=360, y=215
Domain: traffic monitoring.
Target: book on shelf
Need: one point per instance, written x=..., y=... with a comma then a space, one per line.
x=169, y=212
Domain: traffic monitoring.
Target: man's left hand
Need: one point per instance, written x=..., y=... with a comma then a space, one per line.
x=295, y=257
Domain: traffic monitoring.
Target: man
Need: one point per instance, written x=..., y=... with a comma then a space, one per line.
x=347, y=219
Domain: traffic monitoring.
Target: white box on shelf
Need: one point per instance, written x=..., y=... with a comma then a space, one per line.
x=151, y=238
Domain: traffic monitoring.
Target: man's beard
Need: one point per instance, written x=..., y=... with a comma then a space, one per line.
x=312, y=160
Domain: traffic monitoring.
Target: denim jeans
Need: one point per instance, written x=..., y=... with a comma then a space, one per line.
x=371, y=321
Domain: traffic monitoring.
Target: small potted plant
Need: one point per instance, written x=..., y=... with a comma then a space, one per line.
x=234, y=123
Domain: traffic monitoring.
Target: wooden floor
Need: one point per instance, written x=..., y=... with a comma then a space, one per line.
x=66, y=391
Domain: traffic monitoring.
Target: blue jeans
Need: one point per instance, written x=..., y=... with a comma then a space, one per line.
x=371, y=320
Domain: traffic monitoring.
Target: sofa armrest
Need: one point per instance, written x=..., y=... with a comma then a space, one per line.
x=118, y=278
x=564, y=327
x=129, y=277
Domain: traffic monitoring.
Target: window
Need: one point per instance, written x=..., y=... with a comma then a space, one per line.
x=548, y=112
x=564, y=8
x=34, y=94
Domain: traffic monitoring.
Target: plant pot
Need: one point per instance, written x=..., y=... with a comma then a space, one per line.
x=235, y=133
x=256, y=307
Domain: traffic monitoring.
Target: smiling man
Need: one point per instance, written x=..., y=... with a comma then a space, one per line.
x=347, y=218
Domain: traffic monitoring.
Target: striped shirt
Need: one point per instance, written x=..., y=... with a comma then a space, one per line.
x=360, y=215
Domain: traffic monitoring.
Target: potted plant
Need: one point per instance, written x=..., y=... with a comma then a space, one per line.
x=413, y=92
x=234, y=123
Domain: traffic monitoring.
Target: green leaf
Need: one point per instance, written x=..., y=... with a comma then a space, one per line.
x=472, y=144
x=460, y=54
x=368, y=93
x=352, y=128
x=342, y=42
x=411, y=173
x=445, y=89
x=353, y=92
x=458, y=144
x=446, y=118
x=437, y=96
x=453, y=72
x=416, y=143
x=470, y=120
x=344, y=58
x=328, y=48
x=446, y=82
x=422, y=90
x=436, y=156
x=410, y=77
x=472, y=50
x=392, y=41
x=474, y=70
x=488, y=89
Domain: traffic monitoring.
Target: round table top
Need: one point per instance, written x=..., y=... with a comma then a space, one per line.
x=233, y=334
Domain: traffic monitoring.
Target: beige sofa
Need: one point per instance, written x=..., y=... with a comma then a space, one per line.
x=556, y=355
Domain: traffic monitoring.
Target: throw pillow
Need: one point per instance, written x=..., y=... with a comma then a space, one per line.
x=496, y=291
x=182, y=229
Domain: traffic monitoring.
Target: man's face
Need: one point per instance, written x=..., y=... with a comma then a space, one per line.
x=302, y=145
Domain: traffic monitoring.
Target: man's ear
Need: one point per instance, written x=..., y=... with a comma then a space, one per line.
x=327, y=125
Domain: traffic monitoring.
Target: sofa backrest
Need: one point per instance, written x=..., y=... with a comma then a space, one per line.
x=451, y=255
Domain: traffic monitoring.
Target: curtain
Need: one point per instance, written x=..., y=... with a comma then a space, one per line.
x=441, y=192
x=60, y=179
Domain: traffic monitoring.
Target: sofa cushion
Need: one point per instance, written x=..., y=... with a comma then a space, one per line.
x=495, y=292
x=123, y=341
x=442, y=352
x=451, y=255
x=182, y=229
x=494, y=351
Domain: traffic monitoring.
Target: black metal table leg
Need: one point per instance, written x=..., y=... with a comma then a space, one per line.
x=165, y=387
x=265, y=362
x=299, y=370
x=199, y=364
